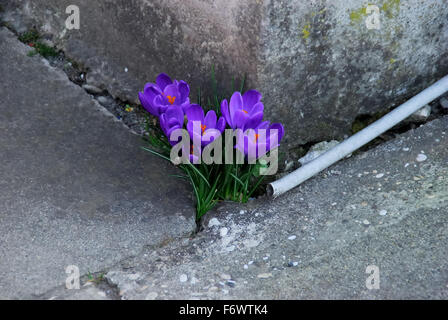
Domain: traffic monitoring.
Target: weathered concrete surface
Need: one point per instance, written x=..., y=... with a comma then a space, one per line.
x=75, y=187
x=316, y=62
x=382, y=208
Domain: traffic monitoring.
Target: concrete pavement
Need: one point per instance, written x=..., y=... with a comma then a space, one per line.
x=75, y=186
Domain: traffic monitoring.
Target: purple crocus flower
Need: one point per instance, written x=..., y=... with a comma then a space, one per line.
x=204, y=128
x=244, y=112
x=256, y=142
x=157, y=97
x=170, y=120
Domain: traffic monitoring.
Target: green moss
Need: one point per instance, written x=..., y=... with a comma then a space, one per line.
x=45, y=50
x=31, y=38
x=306, y=31
x=358, y=15
x=391, y=7
x=31, y=53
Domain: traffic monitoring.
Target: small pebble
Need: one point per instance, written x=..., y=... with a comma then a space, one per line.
x=293, y=264
x=383, y=212
x=379, y=175
x=242, y=211
x=366, y=222
x=101, y=293
x=246, y=266
x=226, y=276
x=183, y=278
x=231, y=283
x=223, y=231
x=292, y=237
x=152, y=296
x=213, y=222
x=264, y=275
x=421, y=157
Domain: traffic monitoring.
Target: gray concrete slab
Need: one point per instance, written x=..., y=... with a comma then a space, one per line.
x=75, y=187
x=380, y=208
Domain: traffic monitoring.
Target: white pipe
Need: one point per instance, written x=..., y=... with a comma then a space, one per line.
x=359, y=139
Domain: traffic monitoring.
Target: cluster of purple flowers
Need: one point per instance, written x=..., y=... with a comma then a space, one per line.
x=169, y=101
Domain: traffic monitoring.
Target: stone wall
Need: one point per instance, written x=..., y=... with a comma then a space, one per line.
x=316, y=62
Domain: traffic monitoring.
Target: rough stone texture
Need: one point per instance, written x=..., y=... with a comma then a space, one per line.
x=75, y=186
x=381, y=207
x=315, y=61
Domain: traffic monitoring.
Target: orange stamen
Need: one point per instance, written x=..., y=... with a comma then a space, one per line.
x=245, y=111
x=203, y=127
x=256, y=136
x=171, y=99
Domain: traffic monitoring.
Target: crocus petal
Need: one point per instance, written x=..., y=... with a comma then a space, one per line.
x=241, y=141
x=163, y=80
x=254, y=121
x=225, y=112
x=194, y=132
x=263, y=125
x=256, y=108
x=151, y=92
x=239, y=119
x=147, y=105
x=159, y=105
x=184, y=91
x=195, y=113
x=170, y=131
x=162, y=109
x=236, y=103
x=163, y=125
x=186, y=105
x=279, y=127
x=221, y=124
x=172, y=122
x=175, y=113
x=210, y=119
x=152, y=88
x=209, y=136
x=250, y=98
